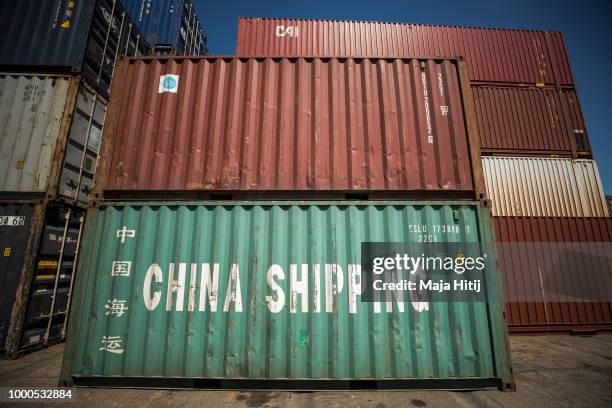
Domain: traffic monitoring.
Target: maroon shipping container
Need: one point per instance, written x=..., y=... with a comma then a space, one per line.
x=529, y=120
x=289, y=124
x=523, y=280
x=493, y=55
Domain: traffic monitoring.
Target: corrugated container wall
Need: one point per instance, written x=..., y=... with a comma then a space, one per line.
x=168, y=25
x=521, y=120
x=50, y=131
x=15, y=224
x=493, y=55
x=544, y=187
x=287, y=124
x=44, y=33
x=67, y=37
x=32, y=112
x=247, y=329
x=522, y=277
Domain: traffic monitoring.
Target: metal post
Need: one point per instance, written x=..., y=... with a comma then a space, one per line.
x=194, y=36
x=188, y=40
x=117, y=50
x=110, y=27
x=200, y=42
x=127, y=42
x=136, y=52
x=57, y=274
x=74, y=266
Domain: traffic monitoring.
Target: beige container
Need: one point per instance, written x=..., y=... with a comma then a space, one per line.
x=32, y=109
x=50, y=130
x=544, y=187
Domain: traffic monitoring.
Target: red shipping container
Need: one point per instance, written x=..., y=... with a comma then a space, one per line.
x=530, y=121
x=523, y=280
x=493, y=55
x=288, y=124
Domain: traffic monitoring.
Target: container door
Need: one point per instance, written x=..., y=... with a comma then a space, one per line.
x=31, y=113
x=81, y=156
x=105, y=42
x=15, y=222
x=49, y=294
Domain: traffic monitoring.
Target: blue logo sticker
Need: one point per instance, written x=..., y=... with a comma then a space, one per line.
x=169, y=83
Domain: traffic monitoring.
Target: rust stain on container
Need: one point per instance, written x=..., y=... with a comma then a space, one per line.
x=287, y=124
x=519, y=274
x=493, y=55
x=529, y=120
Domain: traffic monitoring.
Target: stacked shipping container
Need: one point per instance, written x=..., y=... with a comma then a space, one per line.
x=169, y=26
x=522, y=85
x=81, y=38
x=493, y=55
x=304, y=130
x=56, y=66
x=524, y=100
x=288, y=124
x=556, y=313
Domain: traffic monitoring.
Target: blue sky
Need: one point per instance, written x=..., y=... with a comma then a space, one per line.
x=586, y=26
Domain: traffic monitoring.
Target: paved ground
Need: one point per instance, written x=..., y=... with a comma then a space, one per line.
x=552, y=371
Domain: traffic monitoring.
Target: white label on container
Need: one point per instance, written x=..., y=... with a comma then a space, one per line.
x=288, y=31
x=430, y=138
x=12, y=221
x=168, y=83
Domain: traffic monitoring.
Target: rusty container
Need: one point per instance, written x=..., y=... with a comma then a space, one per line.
x=524, y=93
x=210, y=124
x=530, y=121
x=493, y=55
x=50, y=130
x=523, y=278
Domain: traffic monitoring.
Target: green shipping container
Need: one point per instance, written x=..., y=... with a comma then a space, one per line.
x=199, y=295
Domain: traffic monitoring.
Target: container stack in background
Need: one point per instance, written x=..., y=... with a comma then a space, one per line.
x=537, y=160
x=56, y=67
x=223, y=245
x=169, y=26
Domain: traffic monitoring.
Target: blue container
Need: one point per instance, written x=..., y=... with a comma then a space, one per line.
x=170, y=26
x=67, y=36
